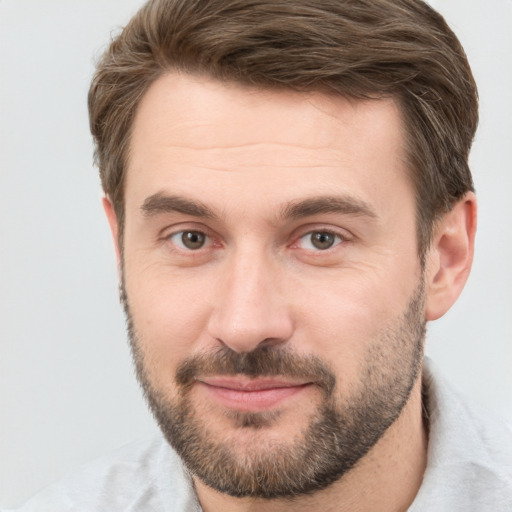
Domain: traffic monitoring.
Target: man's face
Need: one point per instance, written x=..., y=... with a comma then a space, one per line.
x=271, y=279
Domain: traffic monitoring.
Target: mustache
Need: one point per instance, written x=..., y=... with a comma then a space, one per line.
x=264, y=361
x=261, y=362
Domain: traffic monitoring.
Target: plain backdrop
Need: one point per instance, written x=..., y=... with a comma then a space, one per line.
x=67, y=389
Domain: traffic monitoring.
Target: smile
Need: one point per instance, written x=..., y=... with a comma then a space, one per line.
x=252, y=395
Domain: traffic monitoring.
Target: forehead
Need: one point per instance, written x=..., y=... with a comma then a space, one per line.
x=193, y=135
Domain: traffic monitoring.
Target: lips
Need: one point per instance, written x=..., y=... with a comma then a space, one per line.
x=254, y=395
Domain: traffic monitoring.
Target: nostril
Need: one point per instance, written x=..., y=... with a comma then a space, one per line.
x=270, y=342
x=246, y=348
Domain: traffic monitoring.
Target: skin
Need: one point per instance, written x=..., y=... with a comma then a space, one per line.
x=247, y=155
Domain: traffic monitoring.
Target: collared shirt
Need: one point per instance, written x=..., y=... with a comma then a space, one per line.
x=469, y=468
x=469, y=465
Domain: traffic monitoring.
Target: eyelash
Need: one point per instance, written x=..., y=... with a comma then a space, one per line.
x=182, y=232
x=338, y=240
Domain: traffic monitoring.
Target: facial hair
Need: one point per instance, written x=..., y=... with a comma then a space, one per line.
x=342, y=430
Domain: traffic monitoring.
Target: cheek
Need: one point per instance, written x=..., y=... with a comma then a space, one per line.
x=344, y=322
x=169, y=318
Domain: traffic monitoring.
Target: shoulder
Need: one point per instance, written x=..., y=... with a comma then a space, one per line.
x=470, y=453
x=145, y=475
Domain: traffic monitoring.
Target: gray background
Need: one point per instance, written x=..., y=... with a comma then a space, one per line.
x=67, y=391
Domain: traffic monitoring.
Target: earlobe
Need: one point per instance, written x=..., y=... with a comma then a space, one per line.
x=450, y=256
x=108, y=207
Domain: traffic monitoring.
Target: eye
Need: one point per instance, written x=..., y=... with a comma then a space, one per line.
x=189, y=240
x=319, y=240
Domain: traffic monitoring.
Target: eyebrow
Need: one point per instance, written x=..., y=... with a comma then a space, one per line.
x=161, y=203
x=345, y=205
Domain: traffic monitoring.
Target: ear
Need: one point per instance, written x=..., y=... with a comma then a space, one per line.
x=450, y=256
x=114, y=226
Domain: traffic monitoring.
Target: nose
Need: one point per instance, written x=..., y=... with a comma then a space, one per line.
x=250, y=309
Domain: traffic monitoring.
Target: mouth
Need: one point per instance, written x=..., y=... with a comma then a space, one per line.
x=251, y=395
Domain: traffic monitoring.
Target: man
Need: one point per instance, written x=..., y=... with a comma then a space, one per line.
x=290, y=201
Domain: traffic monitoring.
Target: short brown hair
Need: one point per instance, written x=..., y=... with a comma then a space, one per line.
x=356, y=48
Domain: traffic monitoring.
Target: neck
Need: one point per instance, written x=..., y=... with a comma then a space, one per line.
x=386, y=479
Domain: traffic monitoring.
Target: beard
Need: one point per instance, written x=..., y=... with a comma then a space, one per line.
x=343, y=428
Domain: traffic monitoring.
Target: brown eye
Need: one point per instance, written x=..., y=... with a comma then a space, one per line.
x=320, y=240
x=191, y=240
